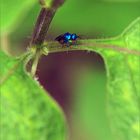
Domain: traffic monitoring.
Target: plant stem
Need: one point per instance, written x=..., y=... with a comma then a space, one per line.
x=90, y=45
x=42, y=25
x=41, y=28
x=43, y=21
x=40, y=31
x=35, y=63
x=5, y=43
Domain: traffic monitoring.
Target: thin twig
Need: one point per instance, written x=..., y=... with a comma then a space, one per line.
x=88, y=45
x=35, y=63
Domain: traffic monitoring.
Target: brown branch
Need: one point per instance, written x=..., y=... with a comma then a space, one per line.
x=43, y=21
x=42, y=25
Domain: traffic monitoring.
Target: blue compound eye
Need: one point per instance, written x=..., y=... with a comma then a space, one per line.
x=67, y=36
x=73, y=36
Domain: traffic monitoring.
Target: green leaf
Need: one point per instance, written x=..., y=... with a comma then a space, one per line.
x=12, y=12
x=122, y=61
x=27, y=111
x=123, y=85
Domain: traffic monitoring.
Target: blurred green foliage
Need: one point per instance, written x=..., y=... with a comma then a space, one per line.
x=77, y=16
x=80, y=16
x=105, y=19
x=90, y=98
x=121, y=1
x=12, y=12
